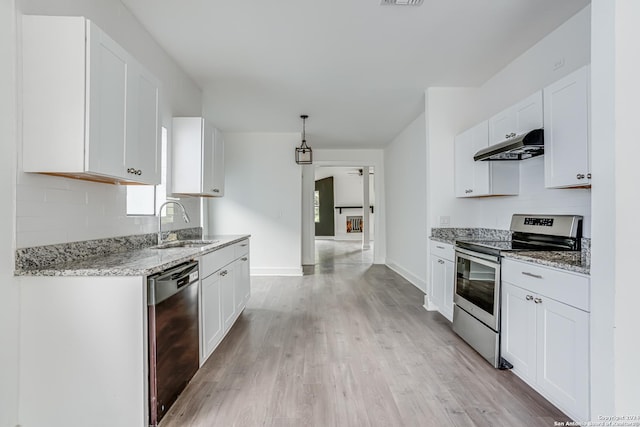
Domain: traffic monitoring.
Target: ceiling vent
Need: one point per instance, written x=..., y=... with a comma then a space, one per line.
x=401, y=2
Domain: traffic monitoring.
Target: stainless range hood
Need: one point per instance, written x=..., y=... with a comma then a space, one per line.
x=518, y=147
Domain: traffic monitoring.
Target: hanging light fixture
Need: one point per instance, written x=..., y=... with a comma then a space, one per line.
x=303, y=153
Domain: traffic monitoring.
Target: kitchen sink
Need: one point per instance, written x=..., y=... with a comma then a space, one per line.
x=185, y=244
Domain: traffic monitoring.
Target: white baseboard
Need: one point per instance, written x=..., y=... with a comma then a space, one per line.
x=293, y=271
x=412, y=278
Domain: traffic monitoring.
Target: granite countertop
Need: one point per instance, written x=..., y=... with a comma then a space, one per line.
x=564, y=260
x=137, y=262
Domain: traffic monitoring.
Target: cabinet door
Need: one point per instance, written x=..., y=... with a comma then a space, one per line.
x=463, y=149
x=107, y=93
x=437, y=281
x=218, y=164
x=521, y=117
x=212, y=327
x=566, y=133
x=471, y=177
x=208, y=151
x=563, y=356
x=243, y=282
x=518, y=333
x=528, y=114
x=142, y=155
x=501, y=126
x=228, y=295
x=448, y=285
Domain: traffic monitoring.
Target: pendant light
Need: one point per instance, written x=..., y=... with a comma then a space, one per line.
x=303, y=153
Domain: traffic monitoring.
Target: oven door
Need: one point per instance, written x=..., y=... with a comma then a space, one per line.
x=477, y=286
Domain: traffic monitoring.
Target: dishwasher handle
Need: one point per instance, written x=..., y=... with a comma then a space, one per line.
x=163, y=285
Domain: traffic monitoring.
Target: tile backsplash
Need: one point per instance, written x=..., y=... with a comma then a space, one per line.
x=52, y=210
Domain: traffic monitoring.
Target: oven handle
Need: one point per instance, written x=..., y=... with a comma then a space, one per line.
x=465, y=253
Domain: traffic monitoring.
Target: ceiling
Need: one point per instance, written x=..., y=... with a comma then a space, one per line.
x=358, y=69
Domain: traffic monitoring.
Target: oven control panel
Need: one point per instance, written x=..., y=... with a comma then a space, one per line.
x=539, y=222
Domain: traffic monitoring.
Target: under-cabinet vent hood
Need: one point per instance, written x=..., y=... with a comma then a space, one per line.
x=516, y=147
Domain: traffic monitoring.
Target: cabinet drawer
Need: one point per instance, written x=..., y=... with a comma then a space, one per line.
x=442, y=250
x=241, y=248
x=569, y=288
x=213, y=261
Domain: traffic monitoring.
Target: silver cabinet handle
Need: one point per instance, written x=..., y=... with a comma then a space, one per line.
x=537, y=300
x=580, y=176
x=440, y=261
x=439, y=247
x=244, y=244
x=134, y=171
x=529, y=297
x=216, y=190
x=468, y=190
x=224, y=272
x=589, y=176
x=244, y=258
x=537, y=276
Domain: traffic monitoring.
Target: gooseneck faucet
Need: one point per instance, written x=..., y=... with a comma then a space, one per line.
x=184, y=216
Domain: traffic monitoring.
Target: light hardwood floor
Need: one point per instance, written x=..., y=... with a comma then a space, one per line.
x=350, y=345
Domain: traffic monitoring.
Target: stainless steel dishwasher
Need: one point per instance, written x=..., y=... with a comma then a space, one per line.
x=173, y=335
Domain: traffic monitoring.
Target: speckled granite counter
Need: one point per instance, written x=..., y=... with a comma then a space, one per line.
x=449, y=235
x=142, y=261
x=564, y=260
x=579, y=262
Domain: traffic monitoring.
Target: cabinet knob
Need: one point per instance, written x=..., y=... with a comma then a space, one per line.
x=440, y=261
x=244, y=258
x=537, y=300
x=588, y=176
x=529, y=297
x=134, y=171
x=580, y=176
x=215, y=190
x=223, y=273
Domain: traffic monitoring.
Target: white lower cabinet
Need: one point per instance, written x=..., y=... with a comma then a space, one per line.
x=225, y=290
x=546, y=339
x=212, y=330
x=441, y=280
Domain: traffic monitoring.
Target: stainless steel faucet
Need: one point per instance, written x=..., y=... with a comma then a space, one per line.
x=184, y=216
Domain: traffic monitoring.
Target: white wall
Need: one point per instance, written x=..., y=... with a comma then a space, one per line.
x=406, y=203
x=450, y=111
x=615, y=342
x=263, y=197
x=354, y=158
x=9, y=291
x=57, y=210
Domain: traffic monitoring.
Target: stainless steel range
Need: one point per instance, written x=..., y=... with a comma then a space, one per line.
x=476, y=312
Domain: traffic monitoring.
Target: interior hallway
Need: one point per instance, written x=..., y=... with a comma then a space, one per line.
x=350, y=345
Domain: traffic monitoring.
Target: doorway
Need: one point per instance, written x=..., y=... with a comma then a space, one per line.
x=339, y=192
x=323, y=204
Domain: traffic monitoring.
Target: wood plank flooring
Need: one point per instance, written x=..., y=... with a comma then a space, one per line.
x=350, y=345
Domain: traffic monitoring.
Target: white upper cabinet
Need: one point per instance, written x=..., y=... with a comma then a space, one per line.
x=142, y=149
x=198, y=158
x=482, y=178
x=566, y=133
x=90, y=110
x=522, y=117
